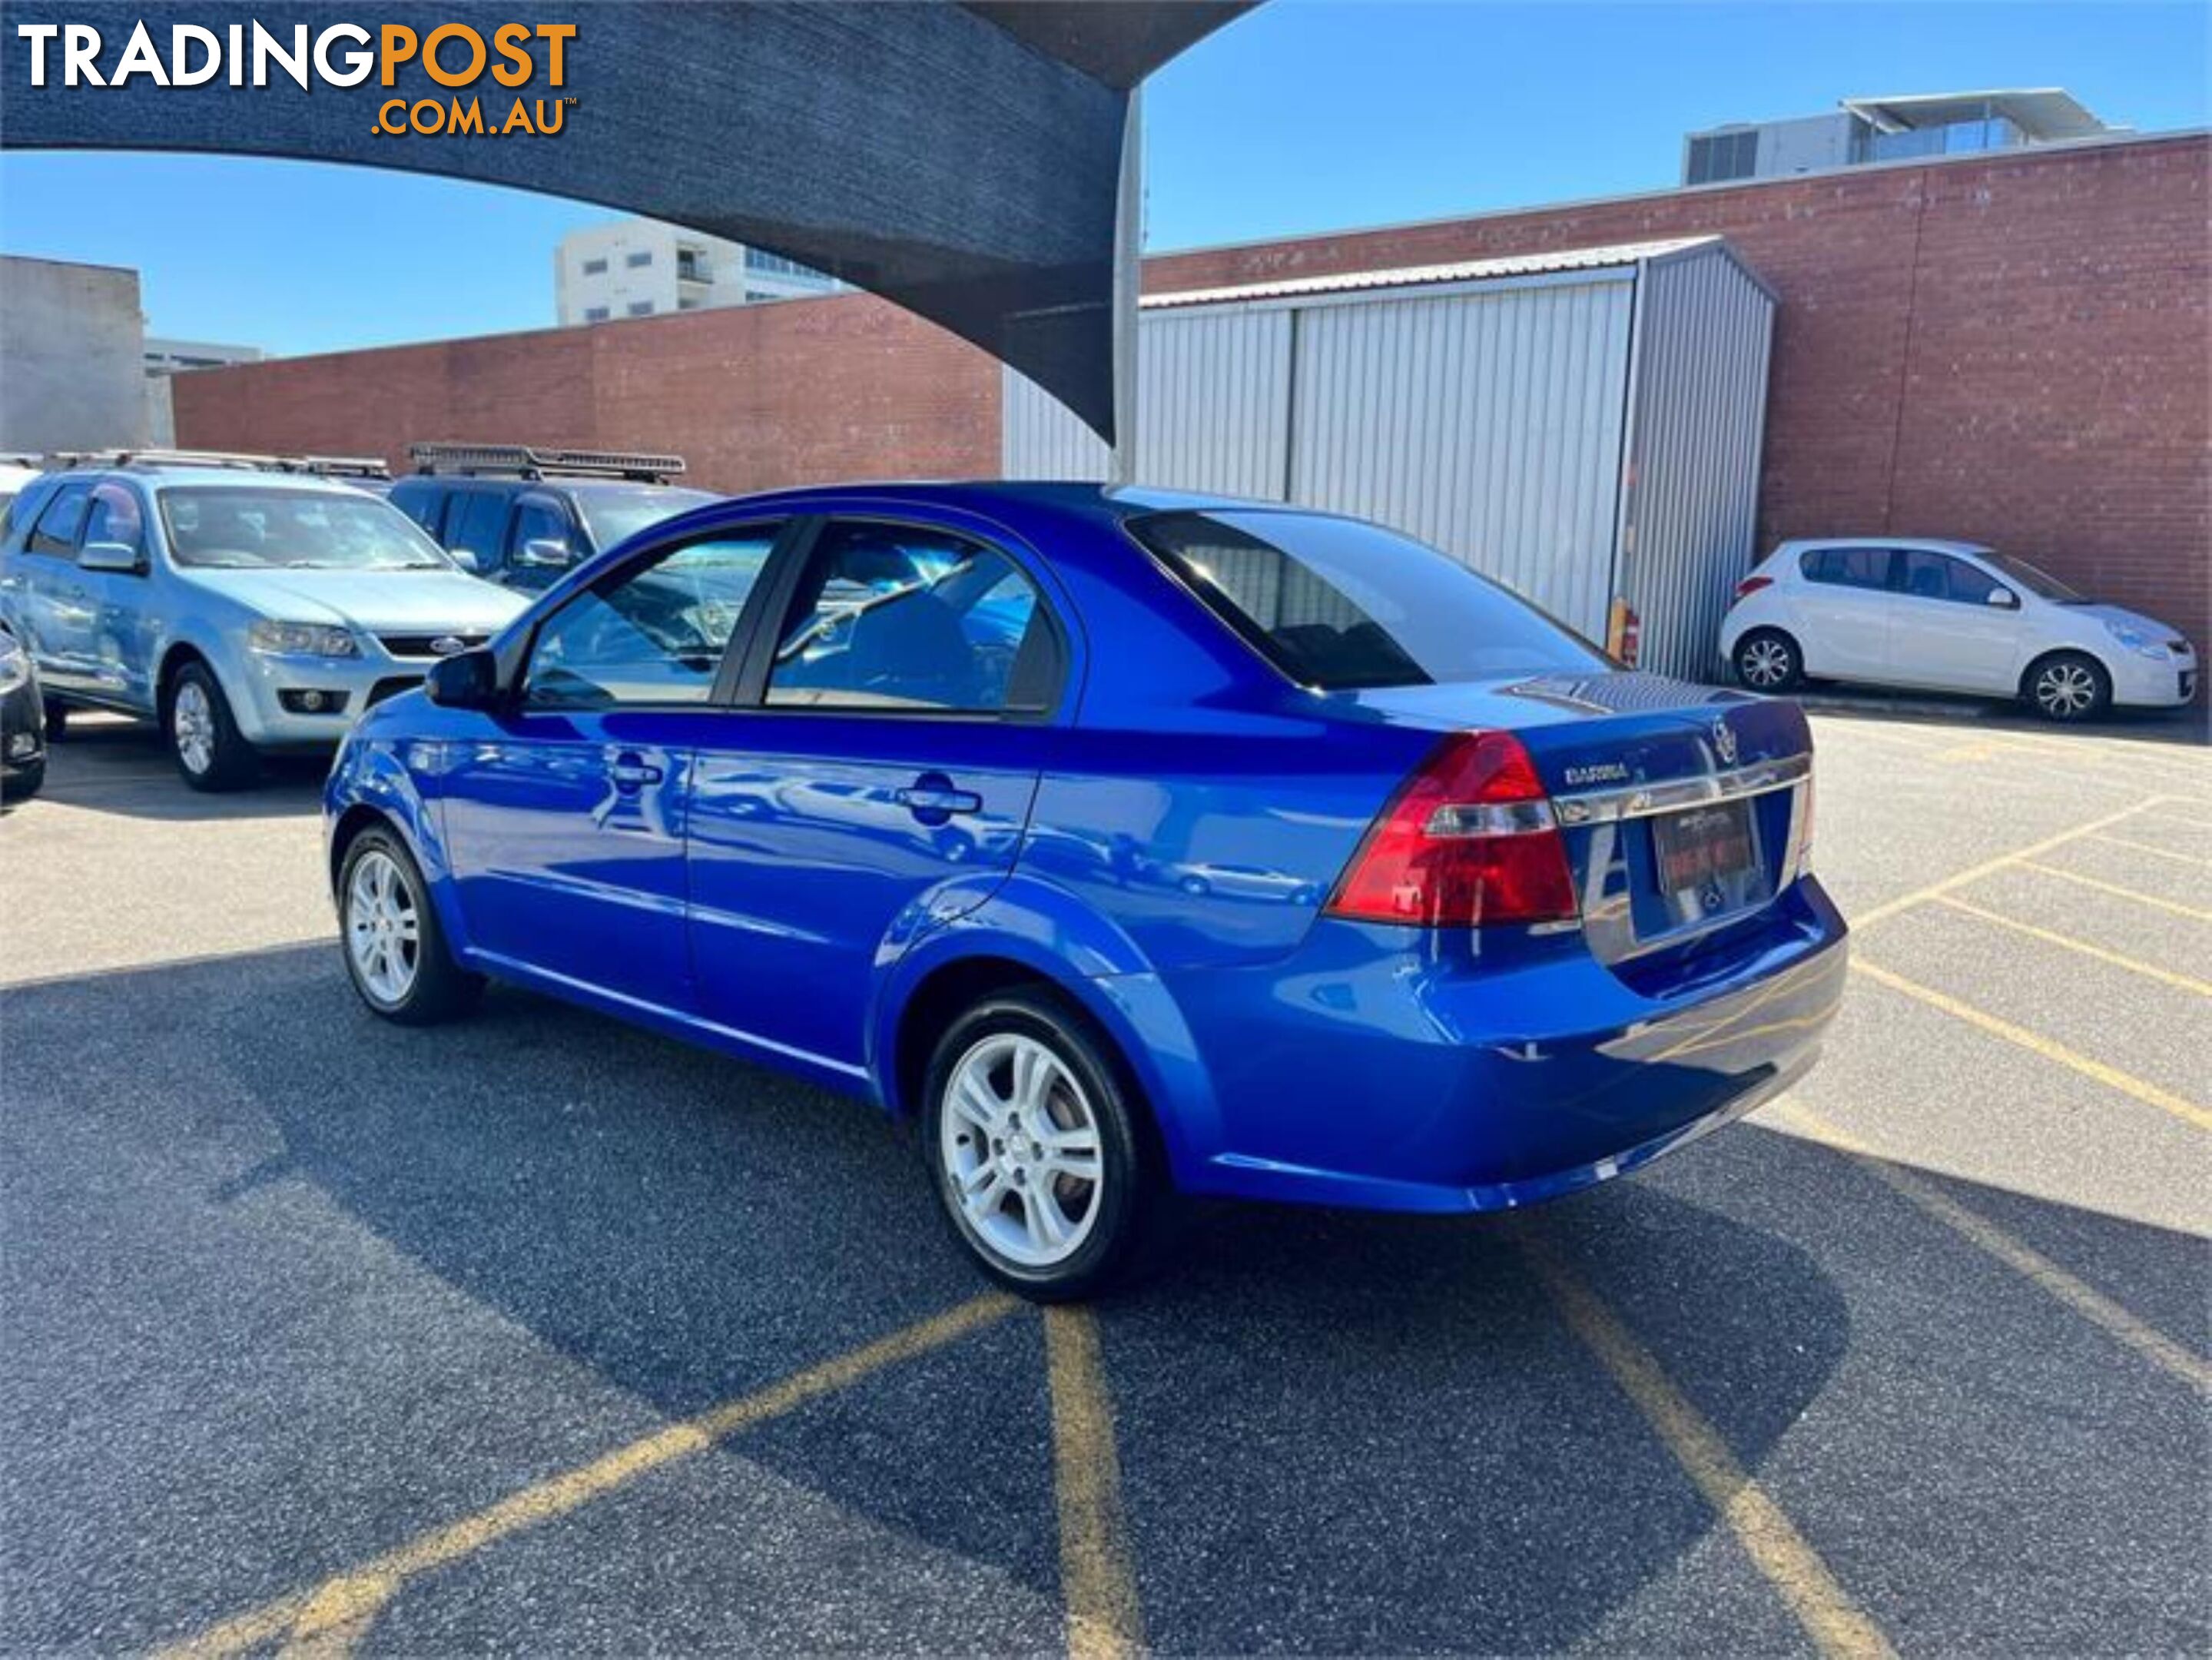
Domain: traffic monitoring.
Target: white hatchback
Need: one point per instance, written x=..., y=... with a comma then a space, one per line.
x=1947, y=617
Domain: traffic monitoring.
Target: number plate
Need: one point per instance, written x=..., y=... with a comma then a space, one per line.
x=1703, y=845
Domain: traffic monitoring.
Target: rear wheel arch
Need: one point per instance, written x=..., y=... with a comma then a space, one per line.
x=950, y=989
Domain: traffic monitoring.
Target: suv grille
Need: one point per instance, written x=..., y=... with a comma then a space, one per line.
x=423, y=645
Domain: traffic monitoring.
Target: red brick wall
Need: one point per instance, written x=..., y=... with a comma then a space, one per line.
x=2013, y=349
x=2016, y=350
x=754, y=397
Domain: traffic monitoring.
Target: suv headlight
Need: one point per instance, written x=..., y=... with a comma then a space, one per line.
x=2143, y=645
x=301, y=640
x=15, y=667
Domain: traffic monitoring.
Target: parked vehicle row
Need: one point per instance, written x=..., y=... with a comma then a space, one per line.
x=244, y=609
x=1952, y=617
x=1130, y=844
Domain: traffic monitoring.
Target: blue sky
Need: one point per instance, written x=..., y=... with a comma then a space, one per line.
x=1305, y=115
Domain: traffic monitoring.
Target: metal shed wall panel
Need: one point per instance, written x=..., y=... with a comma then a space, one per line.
x=1690, y=511
x=1488, y=423
x=1213, y=390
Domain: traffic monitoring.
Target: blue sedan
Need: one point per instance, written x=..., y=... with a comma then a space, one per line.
x=1129, y=844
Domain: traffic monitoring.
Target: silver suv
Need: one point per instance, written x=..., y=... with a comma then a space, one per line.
x=244, y=608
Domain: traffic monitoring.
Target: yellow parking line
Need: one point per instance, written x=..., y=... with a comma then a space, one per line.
x=1097, y=1577
x=2094, y=1306
x=2114, y=888
x=2181, y=981
x=1830, y=1618
x=2155, y=853
x=350, y=1600
x=1990, y=866
x=2037, y=1043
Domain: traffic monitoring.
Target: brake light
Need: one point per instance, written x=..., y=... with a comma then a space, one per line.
x=1468, y=841
x=1752, y=585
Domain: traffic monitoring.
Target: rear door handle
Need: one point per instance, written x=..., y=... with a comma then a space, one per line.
x=632, y=772
x=933, y=794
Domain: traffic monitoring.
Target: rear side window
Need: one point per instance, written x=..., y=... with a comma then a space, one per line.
x=1847, y=567
x=899, y=619
x=1341, y=604
x=55, y=534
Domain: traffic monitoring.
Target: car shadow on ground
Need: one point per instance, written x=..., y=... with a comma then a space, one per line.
x=2190, y=727
x=108, y=764
x=1336, y=1432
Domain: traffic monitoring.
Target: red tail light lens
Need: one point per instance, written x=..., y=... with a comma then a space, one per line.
x=1468, y=842
x=1752, y=585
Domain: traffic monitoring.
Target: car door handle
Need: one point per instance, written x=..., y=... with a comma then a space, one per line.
x=931, y=794
x=630, y=772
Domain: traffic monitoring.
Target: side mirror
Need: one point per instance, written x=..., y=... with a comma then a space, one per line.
x=546, y=553
x=2004, y=599
x=469, y=680
x=118, y=557
x=467, y=559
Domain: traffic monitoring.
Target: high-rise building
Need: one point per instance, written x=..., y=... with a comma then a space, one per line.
x=641, y=268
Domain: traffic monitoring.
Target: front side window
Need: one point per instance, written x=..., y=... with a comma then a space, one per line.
x=1847, y=567
x=1939, y=576
x=900, y=619
x=115, y=516
x=55, y=534
x=245, y=527
x=653, y=633
x=1341, y=604
x=540, y=521
x=474, y=523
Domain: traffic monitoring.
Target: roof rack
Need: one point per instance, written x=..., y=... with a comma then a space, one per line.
x=142, y=457
x=326, y=466
x=526, y=461
x=335, y=466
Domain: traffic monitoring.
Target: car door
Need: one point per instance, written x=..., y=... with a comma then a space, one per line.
x=565, y=817
x=57, y=603
x=1843, y=607
x=877, y=778
x=475, y=529
x=125, y=629
x=1954, y=627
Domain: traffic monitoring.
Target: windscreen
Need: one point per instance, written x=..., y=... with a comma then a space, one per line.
x=2037, y=580
x=1341, y=604
x=615, y=515
x=241, y=527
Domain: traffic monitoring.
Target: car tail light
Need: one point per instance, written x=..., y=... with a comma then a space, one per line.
x=1752, y=585
x=1468, y=841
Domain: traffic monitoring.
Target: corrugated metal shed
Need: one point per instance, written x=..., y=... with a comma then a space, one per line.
x=1583, y=425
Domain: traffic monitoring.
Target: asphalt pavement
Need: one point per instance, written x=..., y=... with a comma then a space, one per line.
x=540, y=1334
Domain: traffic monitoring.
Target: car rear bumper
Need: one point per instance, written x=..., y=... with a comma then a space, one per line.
x=1375, y=1079
x=22, y=732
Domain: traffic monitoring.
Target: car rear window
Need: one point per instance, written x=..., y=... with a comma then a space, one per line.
x=1342, y=604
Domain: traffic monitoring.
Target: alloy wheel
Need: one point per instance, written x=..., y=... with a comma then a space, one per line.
x=1020, y=1143
x=2065, y=690
x=383, y=928
x=1764, y=663
x=191, y=723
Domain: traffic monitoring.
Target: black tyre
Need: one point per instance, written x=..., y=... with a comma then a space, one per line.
x=1037, y=1155
x=1767, y=660
x=2068, y=686
x=203, y=740
x=395, y=952
x=26, y=782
